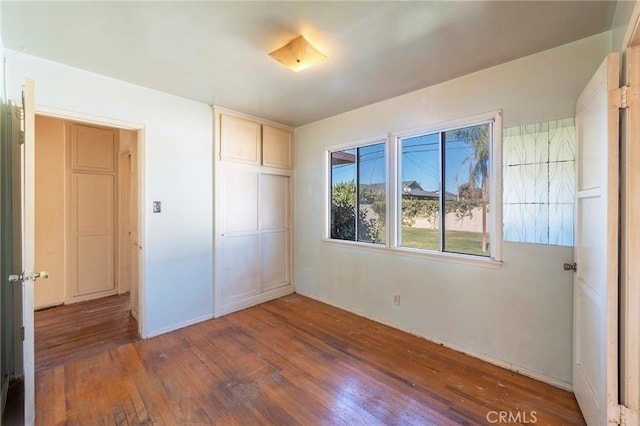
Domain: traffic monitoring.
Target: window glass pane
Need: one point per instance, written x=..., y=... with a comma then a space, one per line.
x=343, y=195
x=466, y=183
x=420, y=174
x=372, y=198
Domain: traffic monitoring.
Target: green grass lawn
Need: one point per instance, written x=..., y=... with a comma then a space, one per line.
x=455, y=241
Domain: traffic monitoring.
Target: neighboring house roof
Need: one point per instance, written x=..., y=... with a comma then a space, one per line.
x=411, y=184
x=375, y=186
x=342, y=157
x=412, y=189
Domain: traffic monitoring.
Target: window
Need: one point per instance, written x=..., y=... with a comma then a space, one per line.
x=358, y=194
x=539, y=182
x=445, y=190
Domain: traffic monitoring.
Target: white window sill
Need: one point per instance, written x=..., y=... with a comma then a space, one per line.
x=465, y=259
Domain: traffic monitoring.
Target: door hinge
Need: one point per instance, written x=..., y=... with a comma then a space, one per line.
x=19, y=111
x=22, y=333
x=623, y=97
x=629, y=96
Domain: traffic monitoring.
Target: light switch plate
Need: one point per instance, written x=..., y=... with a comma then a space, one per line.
x=157, y=206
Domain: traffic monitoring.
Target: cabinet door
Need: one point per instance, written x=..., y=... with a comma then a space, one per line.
x=240, y=140
x=277, y=147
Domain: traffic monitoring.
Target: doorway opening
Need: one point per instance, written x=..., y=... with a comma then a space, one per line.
x=86, y=236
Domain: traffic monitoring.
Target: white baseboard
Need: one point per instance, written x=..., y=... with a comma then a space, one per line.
x=174, y=327
x=254, y=300
x=484, y=357
x=264, y=297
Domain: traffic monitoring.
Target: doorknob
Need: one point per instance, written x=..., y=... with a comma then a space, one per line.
x=570, y=267
x=23, y=276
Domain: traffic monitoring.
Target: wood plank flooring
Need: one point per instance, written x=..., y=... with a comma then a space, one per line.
x=291, y=361
x=69, y=332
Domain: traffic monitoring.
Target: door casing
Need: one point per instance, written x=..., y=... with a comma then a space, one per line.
x=141, y=309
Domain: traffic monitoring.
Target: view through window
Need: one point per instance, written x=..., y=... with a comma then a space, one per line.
x=442, y=199
x=358, y=194
x=445, y=190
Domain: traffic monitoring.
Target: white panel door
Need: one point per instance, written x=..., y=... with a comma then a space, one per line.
x=23, y=185
x=240, y=267
x=252, y=213
x=275, y=226
x=630, y=241
x=274, y=202
x=595, y=333
x=239, y=200
x=275, y=253
x=240, y=234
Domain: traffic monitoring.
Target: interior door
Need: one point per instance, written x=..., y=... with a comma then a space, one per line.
x=630, y=240
x=595, y=299
x=23, y=190
x=11, y=231
x=92, y=189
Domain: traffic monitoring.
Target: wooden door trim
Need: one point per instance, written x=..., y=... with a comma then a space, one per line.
x=630, y=232
x=140, y=129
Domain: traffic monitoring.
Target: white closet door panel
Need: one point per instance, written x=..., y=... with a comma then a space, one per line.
x=274, y=201
x=275, y=259
x=240, y=200
x=241, y=274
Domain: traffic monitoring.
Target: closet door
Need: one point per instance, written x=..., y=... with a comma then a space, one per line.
x=253, y=213
x=240, y=234
x=275, y=229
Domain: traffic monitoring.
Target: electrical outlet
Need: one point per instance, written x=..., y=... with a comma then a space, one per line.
x=157, y=206
x=396, y=300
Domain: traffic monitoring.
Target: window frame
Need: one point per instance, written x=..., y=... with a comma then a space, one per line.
x=393, y=223
x=329, y=186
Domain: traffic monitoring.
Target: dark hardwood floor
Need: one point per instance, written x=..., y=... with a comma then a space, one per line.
x=69, y=332
x=290, y=361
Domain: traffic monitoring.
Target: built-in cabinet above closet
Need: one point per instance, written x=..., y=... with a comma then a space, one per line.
x=253, y=211
x=251, y=142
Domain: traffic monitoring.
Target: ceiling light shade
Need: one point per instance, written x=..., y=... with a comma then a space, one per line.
x=298, y=54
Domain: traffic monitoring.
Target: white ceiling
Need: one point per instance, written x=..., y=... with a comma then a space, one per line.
x=217, y=52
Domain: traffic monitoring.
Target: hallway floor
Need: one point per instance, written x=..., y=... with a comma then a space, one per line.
x=79, y=330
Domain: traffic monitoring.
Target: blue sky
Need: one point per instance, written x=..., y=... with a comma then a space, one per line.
x=420, y=162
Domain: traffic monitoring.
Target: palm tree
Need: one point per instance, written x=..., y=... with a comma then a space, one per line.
x=478, y=139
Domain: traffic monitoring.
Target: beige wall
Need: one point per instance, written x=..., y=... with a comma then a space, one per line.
x=50, y=211
x=50, y=249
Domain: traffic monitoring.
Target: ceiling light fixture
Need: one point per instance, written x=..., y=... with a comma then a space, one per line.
x=298, y=54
